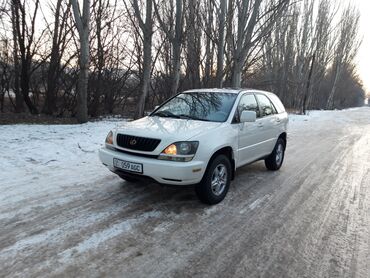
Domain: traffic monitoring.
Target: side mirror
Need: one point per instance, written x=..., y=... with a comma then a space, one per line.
x=248, y=117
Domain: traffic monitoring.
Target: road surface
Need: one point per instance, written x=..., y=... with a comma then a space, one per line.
x=310, y=219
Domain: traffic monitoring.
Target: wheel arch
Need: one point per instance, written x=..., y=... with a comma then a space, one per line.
x=284, y=137
x=228, y=152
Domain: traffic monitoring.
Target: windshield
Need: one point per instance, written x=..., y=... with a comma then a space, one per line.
x=203, y=106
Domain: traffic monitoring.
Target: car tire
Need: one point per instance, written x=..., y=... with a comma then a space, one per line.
x=216, y=181
x=274, y=161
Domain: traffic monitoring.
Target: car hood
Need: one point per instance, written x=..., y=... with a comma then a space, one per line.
x=166, y=128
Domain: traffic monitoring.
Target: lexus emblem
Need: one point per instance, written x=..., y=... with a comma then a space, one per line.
x=133, y=142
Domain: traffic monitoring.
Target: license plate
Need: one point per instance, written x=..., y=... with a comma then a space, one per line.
x=128, y=166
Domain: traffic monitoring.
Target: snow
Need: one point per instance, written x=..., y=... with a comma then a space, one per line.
x=54, y=234
x=324, y=114
x=42, y=167
x=255, y=204
x=45, y=159
x=45, y=169
x=112, y=231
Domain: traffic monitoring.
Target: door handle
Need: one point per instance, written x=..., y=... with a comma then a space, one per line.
x=259, y=125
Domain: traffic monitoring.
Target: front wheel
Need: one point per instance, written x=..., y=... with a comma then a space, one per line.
x=274, y=161
x=216, y=181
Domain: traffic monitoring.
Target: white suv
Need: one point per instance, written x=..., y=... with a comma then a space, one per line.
x=200, y=137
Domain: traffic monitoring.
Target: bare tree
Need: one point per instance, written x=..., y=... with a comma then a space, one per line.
x=82, y=24
x=16, y=72
x=4, y=70
x=174, y=35
x=24, y=35
x=210, y=43
x=138, y=56
x=59, y=41
x=308, y=86
x=193, y=42
x=221, y=43
x=102, y=7
x=347, y=46
x=288, y=60
x=323, y=49
x=4, y=57
x=253, y=26
x=146, y=33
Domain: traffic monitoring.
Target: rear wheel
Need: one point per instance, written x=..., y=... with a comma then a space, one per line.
x=216, y=181
x=274, y=161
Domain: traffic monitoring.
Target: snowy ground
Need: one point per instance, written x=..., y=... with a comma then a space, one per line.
x=42, y=160
x=63, y=213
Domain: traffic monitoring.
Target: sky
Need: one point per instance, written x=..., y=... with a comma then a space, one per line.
x=363, y=58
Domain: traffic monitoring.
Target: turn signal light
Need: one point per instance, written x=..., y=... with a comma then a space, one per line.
x=171, y=150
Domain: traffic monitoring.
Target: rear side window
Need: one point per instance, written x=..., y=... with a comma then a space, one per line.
x=246, y=103
x=265, y=105
x=277, y=103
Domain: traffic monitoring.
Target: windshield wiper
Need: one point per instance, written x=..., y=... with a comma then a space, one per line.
x=168, y=114
x=193, y=118
x=165, y=114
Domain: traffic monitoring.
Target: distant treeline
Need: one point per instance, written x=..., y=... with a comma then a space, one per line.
x=125, y=56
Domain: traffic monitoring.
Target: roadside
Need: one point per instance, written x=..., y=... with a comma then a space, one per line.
x=62, y=213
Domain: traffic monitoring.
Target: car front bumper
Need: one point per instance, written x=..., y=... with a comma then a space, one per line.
x=164, y=172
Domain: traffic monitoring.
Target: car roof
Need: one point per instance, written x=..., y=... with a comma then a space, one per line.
x=226, y=90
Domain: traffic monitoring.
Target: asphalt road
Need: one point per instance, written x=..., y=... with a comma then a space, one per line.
x=310, y=219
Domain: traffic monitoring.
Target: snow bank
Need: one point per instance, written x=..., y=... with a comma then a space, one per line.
x=48, y=158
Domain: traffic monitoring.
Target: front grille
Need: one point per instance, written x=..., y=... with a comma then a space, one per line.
x=137, y=143
x=137, y=154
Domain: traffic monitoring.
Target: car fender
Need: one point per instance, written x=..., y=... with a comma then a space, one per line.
x=215, y=140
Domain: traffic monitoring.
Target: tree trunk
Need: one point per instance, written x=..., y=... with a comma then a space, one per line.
x=4, y=80
x=147, y=64
x=330, y=102
x=208, y=55
x=2, y=96
x=306, y=95
x=16, y=87
x=237, y=73
x=51, y=94
x=192, y=60
x=176, y=48
x=229, y=39
x=83, y=79
x=147, y=59
x=25, y=85
x=221, y=44
x=94, y=111
x=24, y=42
x=82, y=24
x=176, y=67
x=175, y=39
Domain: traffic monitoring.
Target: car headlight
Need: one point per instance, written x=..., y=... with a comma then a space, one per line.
x=109, y=139
x=180, y=151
